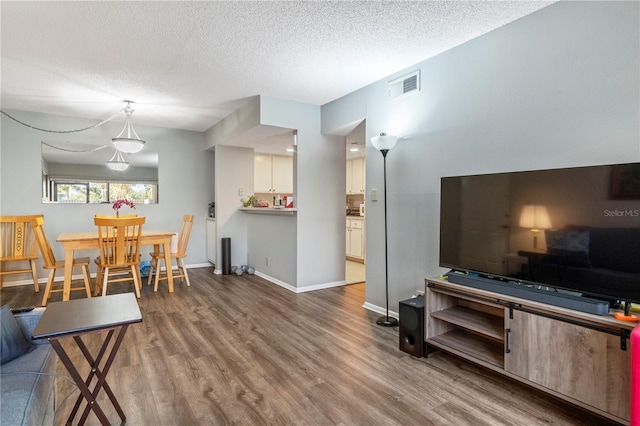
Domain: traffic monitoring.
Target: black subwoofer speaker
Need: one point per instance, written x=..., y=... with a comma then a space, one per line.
x=412, y=326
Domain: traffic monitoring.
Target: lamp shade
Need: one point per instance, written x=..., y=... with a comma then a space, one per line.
x=118, y=166
x=128, y=140
x=384, y=142
x=535, y=217
x=118, y=162
x=128, y=145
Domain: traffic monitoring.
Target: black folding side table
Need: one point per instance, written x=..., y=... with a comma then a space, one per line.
x=82, y=316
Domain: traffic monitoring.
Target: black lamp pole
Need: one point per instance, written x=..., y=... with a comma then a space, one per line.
x=386, y=321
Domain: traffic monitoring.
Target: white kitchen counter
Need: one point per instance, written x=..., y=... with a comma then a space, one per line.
x=269, y=210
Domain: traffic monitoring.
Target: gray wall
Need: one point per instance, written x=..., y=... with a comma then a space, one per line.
x=306, y=250
x=557, y=88
x=319, y=193
x=185, y=179
x=234, y=170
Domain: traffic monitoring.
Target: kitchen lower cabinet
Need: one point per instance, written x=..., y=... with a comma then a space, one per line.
x=355, y=239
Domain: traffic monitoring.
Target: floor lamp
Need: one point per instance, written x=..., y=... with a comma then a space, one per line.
x=384, y=143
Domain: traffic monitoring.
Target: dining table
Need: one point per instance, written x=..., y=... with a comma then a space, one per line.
x=72, y=241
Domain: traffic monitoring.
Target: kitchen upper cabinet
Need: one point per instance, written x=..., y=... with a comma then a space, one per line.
x=272, y=174
x=356, y=176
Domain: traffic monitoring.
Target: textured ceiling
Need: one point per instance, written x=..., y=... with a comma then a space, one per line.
x=189, y=64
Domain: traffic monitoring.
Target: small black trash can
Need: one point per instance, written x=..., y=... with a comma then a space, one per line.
x=226, y=256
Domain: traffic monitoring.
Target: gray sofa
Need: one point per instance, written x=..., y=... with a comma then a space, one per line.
x=28, y=387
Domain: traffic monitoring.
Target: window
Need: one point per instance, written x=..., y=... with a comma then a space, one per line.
x=71, y=192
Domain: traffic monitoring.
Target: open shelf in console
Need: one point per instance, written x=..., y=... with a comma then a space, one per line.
x=483, y=323
x=470, y=328
x=469, y=345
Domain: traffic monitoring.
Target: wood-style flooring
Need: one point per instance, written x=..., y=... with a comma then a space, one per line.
x=240, y=350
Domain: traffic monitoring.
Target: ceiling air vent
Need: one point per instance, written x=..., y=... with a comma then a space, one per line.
x=410, y=83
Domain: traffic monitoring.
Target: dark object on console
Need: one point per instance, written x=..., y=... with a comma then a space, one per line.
x=606, y=256
x=412, y=326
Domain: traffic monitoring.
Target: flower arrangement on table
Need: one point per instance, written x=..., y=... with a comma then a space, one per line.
x=119, y=203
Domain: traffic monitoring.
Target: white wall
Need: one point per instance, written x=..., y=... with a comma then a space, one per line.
x=185, y=179
x=273, y=236
x=234, y=170
x=319, y=192
x=557, y=88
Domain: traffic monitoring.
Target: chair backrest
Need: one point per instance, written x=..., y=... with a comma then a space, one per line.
x=185, y=232
x=48, y=257
x=16, y=238
x=119, y=240
x=123, y=216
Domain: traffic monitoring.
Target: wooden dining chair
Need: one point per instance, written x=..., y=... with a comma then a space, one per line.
x=119, y=245
x=50, y=263
x=17, y=245
x=97, y=259
x=179, y=255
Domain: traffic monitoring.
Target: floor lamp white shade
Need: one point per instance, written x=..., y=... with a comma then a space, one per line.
x=384, y=142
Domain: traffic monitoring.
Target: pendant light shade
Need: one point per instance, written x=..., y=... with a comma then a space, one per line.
x=128, y=140
x=384, y=142
x=117, y=162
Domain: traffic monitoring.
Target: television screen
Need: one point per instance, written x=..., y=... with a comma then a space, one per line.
x=576, y=229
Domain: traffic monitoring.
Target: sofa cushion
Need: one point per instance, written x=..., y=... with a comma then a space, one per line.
x=27, y=388
x=14, y=343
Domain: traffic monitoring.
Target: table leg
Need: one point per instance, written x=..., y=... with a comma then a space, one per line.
x=91, y=397
x=82, y=386
x=167, y=264
x=68, y=272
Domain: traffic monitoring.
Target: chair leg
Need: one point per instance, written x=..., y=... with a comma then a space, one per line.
x=184, y=272
x=152, y=264
x=47, y=289
x=87, y=280
x=98, y=286
x=105, y=278
x=158, y=264
x=34, y=273
x=136, y=280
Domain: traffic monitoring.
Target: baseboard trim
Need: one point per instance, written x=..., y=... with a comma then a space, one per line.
x=302, y=289
x=380, y=310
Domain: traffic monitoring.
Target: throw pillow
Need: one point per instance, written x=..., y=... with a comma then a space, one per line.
x=13, y=342
x=577, y=241
x=555, y=240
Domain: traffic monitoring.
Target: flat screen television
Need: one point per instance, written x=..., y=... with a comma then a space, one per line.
x=574, y=230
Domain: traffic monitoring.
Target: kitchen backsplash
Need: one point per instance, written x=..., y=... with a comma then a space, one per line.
x=268, y=197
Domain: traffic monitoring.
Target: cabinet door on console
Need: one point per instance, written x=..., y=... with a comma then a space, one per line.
x=576, y=361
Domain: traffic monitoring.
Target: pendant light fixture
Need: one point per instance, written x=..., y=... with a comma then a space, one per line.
x=117, y=162
x=128, y=140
